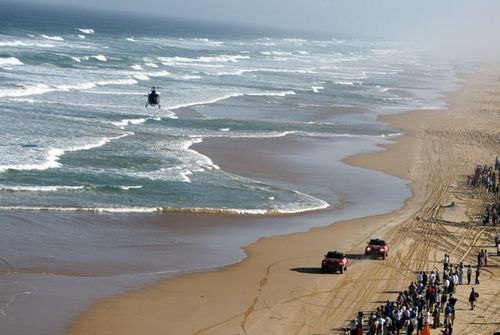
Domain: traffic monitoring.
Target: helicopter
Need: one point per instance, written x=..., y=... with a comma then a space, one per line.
x=153, y=98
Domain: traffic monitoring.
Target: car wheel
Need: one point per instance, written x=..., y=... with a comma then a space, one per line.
x=345, y=269
x=322, y=270
x=383, y=256
x=341, y=270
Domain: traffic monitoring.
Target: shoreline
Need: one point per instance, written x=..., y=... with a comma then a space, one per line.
x=268, y=280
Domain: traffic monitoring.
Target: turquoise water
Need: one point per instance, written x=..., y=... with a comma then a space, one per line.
x=76, y=136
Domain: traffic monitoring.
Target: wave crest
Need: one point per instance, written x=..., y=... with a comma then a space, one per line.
x=52, y=38
x=10, y=61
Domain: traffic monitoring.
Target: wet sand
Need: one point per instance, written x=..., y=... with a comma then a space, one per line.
x=278, y=288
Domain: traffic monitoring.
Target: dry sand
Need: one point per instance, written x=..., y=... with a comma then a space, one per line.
x=278, y=289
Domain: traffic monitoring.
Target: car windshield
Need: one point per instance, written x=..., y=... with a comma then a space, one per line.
x=333, y=254
x=377, y=242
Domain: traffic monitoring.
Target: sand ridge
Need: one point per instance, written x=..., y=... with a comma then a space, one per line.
x=278, y=289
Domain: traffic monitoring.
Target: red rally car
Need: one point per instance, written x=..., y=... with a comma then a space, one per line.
x=378, y=248
x=334, y=261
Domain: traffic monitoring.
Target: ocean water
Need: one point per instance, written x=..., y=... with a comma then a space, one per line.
x=99, y=194
x=76, y=136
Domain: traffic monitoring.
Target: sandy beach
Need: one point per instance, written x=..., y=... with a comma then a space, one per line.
x=278, y=288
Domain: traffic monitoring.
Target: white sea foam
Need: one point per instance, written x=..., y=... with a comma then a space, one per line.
x=320, y=123
x=295, y=40
x=123, y=210
x=382, y=89
x=25, y=90
x=266, y=44
x=130, y=39
x=346, y=82
x=316, y=89
x=9, y=61
x=82, y=37
x=130, y=187
x=25, y=44
x=391, y=135
x=55, y=188
x=271, y=93
x=80, y=86
x=53, y=38
x=317, y=204
x=160, y=74
x=129, y=81
x=234, y=95
x=202, y=59
x=208, y=41
x=126, y=122
x=206, y=102
x=101, y=58
x=170, y=174
x=276, y=53
x=38, y=89
x=275, y=70
x=140, y=76
x=53, y=156
x=137, y=67
x=173, y=75
x=150, y=64
x=87, y=31
x=186, y=77
x=253, y=135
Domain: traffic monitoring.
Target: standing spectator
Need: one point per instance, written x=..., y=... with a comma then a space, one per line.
x=486, y=217
x=435, y=315
x=432, y=278
x=447, y=314
x=473, y=298
x=446, y=261
x=419, y=279
x=478, y=272
x=353, y=327
x=469, y=274
x=360, y=318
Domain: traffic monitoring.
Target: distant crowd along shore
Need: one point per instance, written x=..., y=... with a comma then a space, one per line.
x=430, y=300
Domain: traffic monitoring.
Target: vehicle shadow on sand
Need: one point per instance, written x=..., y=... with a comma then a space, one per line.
x=307, y=270
x=357, y=256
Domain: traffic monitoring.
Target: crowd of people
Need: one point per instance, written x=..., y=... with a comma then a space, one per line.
x=430, y=300
x=485, y=176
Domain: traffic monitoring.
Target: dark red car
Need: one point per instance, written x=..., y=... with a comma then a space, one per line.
x=377, y=247
x=334, y=260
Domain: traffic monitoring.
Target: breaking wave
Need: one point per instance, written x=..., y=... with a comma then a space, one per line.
x=9, y=61
x=53, y=156
x=87, y=31
x=285, y=210
x=53, y=38
x=203, y=59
